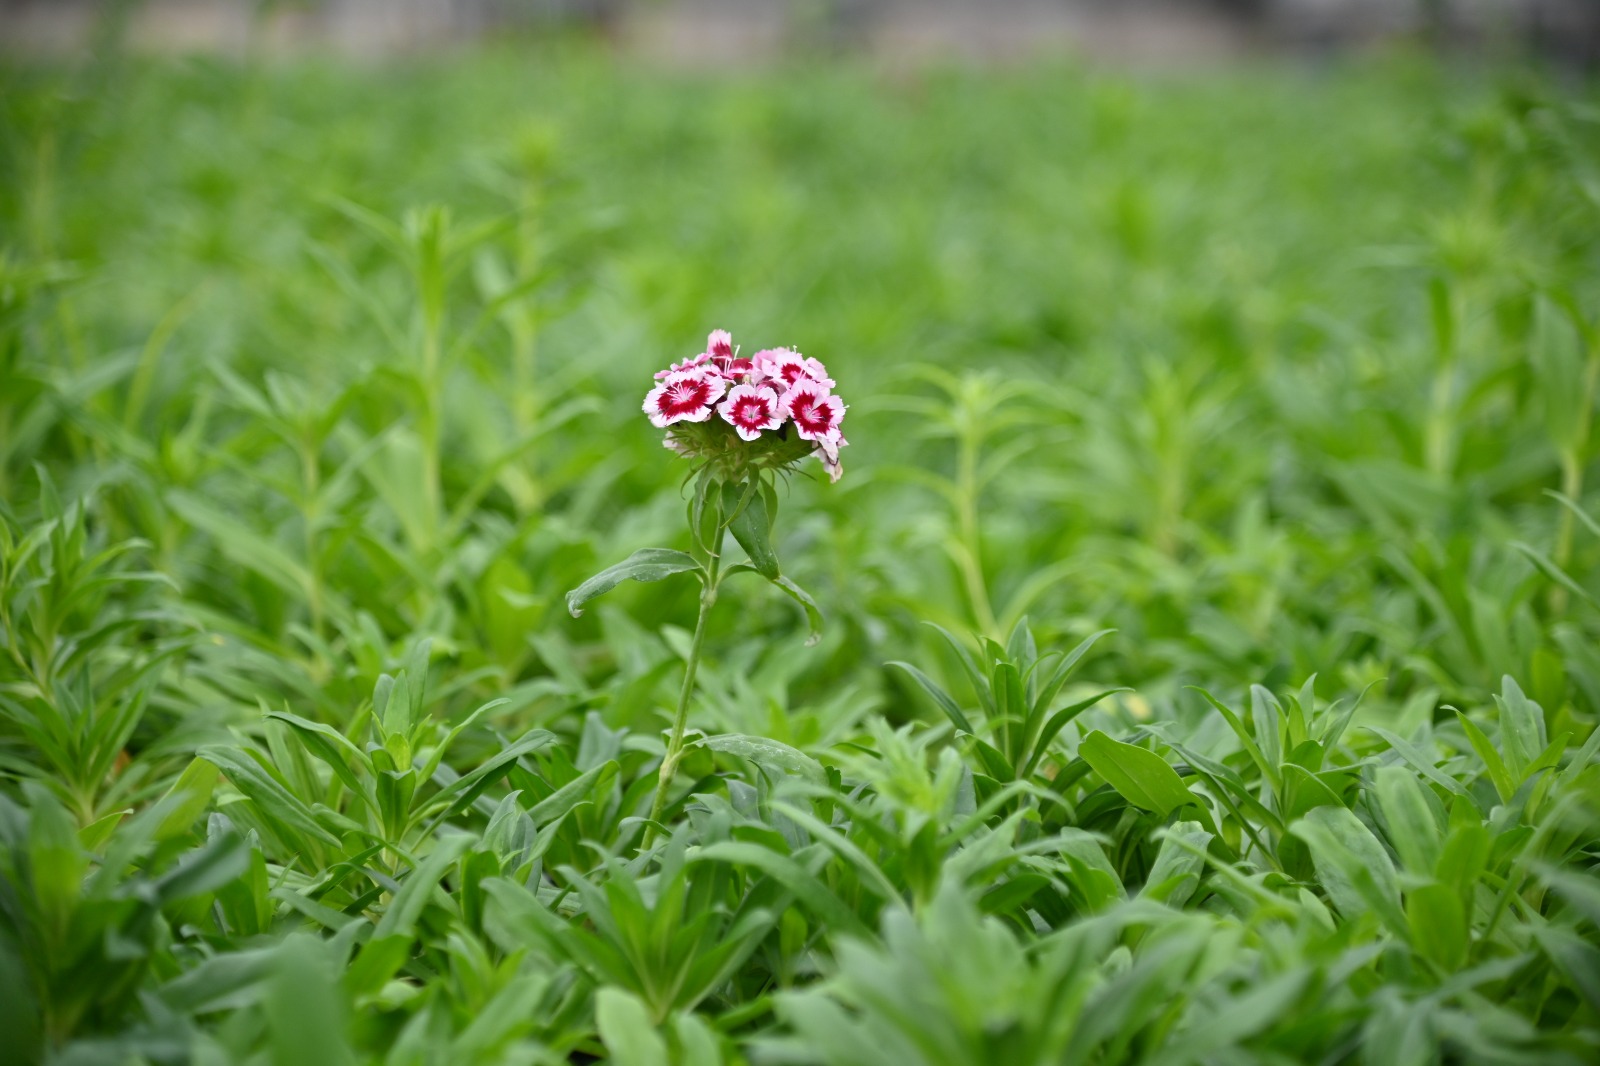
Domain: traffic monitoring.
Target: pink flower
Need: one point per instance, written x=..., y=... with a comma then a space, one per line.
x=721, y=352
x=780, y=366
x=751, y=409
x=816, y=412
x=738, y=368
x=687, y=364
x=818, y=373
x=685, y=396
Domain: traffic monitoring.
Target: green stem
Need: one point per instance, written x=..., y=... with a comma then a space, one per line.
x=968, y=489
x=669, y=762
x=1438, y=444
x=1572, y=461
x=311, y=483
x=433, y=385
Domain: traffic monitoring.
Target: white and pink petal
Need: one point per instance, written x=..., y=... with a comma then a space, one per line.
x=780, y=366
x=751, y=409
x=688, y=364
x=815, y=411
x=685, y=396
x=818, y=373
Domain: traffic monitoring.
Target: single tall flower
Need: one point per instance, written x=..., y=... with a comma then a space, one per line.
x=741, y=455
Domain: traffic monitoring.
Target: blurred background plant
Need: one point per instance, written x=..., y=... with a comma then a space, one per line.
x=1232, y=426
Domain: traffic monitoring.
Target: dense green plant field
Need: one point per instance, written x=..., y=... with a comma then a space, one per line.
x=1211, y=648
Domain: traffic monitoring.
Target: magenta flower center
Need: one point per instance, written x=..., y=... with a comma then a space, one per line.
x=812, y=415
x=752, y=411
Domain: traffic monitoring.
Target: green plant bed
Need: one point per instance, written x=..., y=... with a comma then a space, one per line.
x=1196, y=662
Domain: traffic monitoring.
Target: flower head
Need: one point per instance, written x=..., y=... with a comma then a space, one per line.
x=750, y=409
x=685, y=396
x=776, y=407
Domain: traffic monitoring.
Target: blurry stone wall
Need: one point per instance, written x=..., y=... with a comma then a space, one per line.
x=731, y=30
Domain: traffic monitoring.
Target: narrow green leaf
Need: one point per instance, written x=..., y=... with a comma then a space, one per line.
x=191, y=795
x=1267, y=716
x=1438, y=925
x=646, y=564
x=627, y=1029
x=305, y=1008
x=1419, y=760
x=1177, y=869
x=1269, y=770
x=1351, y=864
x=749, y=524
x=945, y=701
x=466, y=788
x=803, y=598
x=980, y=683
x=1522, y=731
x=97, y=832
x=1040, y=744
x=808, y=889
x=765, y=752
x=220, y=861
x=333, y=748
x=1142, y=777
x=266, y=792
x=1504, y=786
x=400, y=919
x=569, y=796
x=1413, y=831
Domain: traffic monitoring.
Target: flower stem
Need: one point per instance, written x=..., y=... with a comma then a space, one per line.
x=669, y=762
x=1572, y=463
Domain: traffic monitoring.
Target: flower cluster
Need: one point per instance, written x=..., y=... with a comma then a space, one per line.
x=769, y=410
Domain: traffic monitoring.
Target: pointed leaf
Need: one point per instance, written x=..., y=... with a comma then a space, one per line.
x=646, y=564
x=1142, y=777
x=748, y=522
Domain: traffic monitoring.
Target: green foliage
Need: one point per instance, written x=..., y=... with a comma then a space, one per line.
x=1245, y=484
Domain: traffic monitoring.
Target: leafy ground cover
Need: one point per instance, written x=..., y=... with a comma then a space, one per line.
x=1210, y=663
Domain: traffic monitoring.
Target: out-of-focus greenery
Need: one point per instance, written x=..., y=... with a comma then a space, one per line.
x=320, y=385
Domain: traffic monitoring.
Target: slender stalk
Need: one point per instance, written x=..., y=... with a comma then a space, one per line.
x=433, y=385
x=311, y=484
x=967, y=490
x=1438, y=445
x=669, y=763
x=680, y=721
x=1572, y=462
